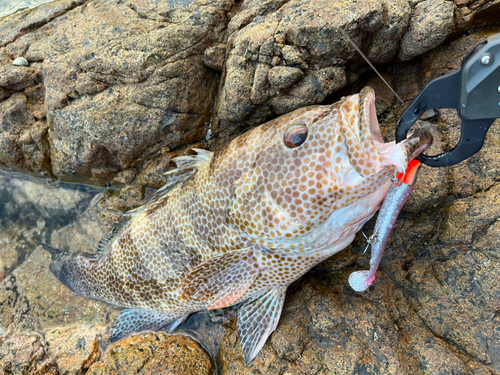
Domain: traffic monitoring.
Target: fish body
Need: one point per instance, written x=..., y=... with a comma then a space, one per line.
x=243, y=223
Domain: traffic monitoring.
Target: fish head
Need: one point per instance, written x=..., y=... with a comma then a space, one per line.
x=306, y=167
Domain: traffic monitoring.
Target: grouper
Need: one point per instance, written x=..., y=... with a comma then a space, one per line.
x=239, y=225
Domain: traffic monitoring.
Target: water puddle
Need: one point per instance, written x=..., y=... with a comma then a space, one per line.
x=32, y=210
x=11, y=6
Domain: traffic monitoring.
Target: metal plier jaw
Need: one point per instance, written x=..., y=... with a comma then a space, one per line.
x=474, y=91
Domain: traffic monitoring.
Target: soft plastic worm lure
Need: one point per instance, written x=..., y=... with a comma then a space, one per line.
x=393, y=203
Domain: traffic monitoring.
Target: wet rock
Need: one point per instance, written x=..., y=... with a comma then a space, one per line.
x=20, y=353
x=8, y=257
x=40, y=327
x=73, y=348
x=153, y=353
x=431, y=23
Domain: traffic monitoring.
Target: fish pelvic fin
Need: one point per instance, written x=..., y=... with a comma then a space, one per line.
x=135, y=321
x=224, y=278
x=257, y=319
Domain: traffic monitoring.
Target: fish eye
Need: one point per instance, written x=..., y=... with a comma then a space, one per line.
x=295, y=136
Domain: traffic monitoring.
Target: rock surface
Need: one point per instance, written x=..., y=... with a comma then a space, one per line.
x=78, y=112
x=113, y=86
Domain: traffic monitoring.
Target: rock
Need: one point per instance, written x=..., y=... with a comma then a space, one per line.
x=153, y=353
x=285, y=39
x=111, y=106
x=387, y=41
x=8, y=257
x=20, y=61
x=215, y=56
x=19, y=23
x=73, y=348
x=431, y=23
x=284, y=76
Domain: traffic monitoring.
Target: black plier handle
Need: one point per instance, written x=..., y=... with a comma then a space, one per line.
x=474, y=91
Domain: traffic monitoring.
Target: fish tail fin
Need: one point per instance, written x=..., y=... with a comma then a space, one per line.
x=68, y=269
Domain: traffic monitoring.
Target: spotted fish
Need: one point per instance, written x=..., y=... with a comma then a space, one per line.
x=241, y=224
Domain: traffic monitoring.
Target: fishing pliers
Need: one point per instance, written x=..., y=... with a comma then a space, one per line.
x=473, y=90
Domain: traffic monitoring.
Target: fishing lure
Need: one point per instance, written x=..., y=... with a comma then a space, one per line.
x=396, y=198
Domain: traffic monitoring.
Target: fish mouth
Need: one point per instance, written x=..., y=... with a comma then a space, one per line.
x=391, y=154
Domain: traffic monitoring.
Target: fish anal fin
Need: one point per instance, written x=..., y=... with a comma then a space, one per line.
x=135, y=321
x=257, y=319
x=224, y=278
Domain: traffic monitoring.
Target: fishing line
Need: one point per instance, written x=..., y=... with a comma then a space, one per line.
x=348, y=38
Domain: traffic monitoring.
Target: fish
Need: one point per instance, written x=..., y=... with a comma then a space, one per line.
x=237, y=226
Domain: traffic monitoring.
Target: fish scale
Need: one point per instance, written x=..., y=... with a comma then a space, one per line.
x=241, y=224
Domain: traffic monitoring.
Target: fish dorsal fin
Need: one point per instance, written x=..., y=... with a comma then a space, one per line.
x=186, y=167
x=258, y=318
x=191, y=161
x=224, y=278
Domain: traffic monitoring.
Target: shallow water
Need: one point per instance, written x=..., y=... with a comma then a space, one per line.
x=32, y=210
x=10, y=6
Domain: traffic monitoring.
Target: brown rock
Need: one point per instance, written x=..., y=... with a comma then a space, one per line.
x=387, y=41
x=431, y=22
x=70, y=347
x=154, y=353
x=284, y=76
x=112, y=104
x=302, y=35
x=215, y=56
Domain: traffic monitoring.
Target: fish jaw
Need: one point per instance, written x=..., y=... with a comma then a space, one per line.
x=367, y=151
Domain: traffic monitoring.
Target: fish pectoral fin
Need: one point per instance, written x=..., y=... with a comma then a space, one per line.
x=134, y=321
x=224, y=278
x=257, y=319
